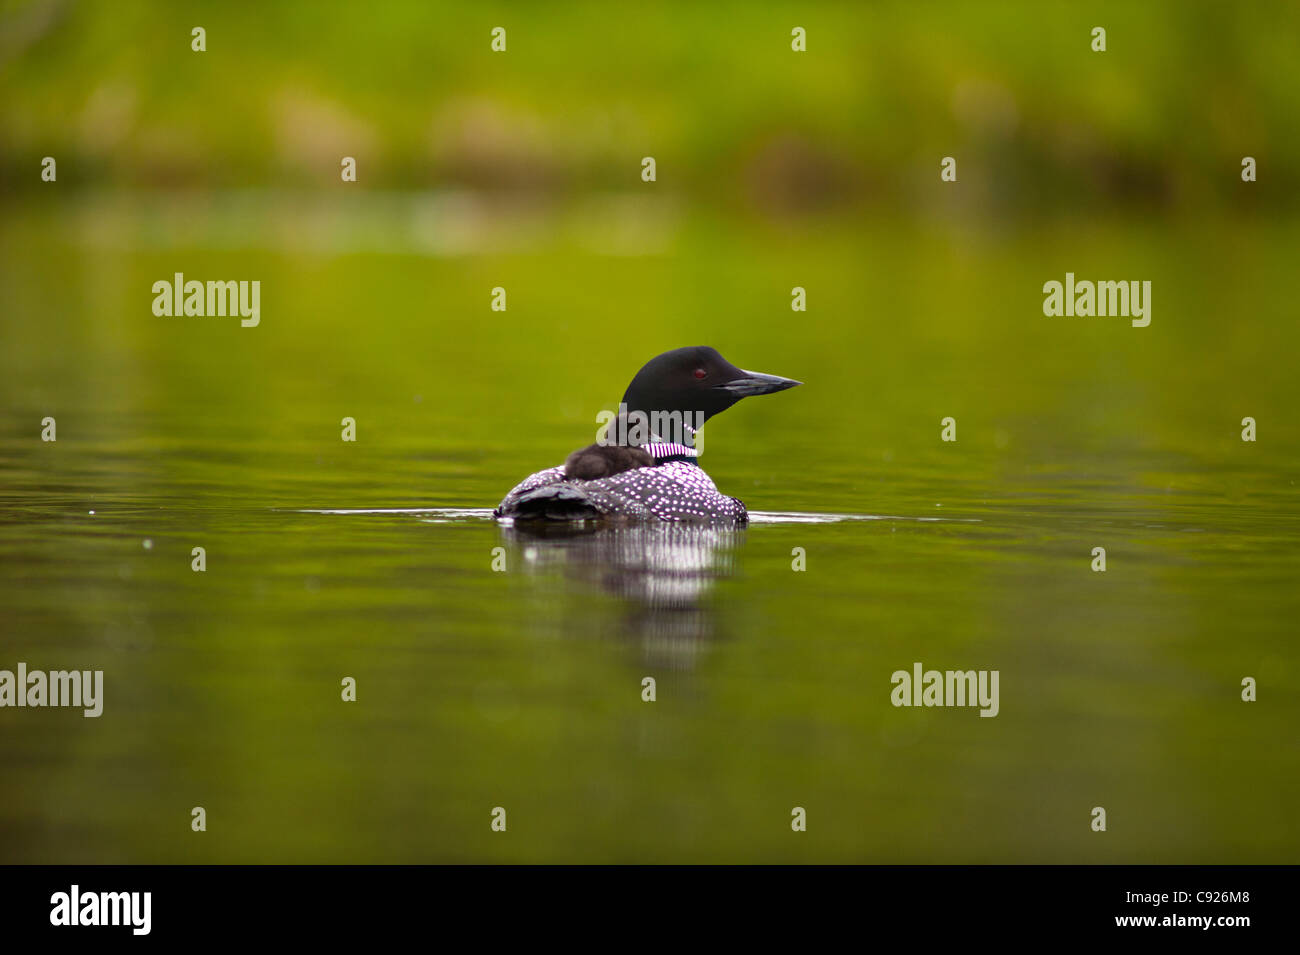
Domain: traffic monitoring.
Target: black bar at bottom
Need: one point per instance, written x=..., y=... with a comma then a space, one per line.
x=335, y=903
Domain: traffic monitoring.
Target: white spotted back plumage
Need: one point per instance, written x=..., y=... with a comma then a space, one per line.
x=672, y=491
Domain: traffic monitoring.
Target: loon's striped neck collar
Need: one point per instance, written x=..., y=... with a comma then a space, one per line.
x=666, y=451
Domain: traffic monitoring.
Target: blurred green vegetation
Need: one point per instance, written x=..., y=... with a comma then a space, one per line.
x=1040, y=124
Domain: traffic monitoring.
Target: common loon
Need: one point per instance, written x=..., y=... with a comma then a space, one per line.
x=645, y=467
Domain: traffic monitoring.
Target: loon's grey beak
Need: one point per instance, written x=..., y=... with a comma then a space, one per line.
x=757, y=383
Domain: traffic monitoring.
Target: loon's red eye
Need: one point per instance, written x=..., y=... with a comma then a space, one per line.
x=700, y=373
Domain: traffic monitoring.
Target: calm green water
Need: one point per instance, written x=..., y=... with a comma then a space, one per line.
x=522, y=688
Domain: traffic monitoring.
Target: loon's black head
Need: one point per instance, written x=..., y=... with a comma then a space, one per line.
x=691, y=385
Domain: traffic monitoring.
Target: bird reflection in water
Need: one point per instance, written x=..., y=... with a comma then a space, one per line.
x=663, y=573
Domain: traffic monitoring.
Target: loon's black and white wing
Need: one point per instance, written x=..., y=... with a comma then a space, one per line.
x=673, y=491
